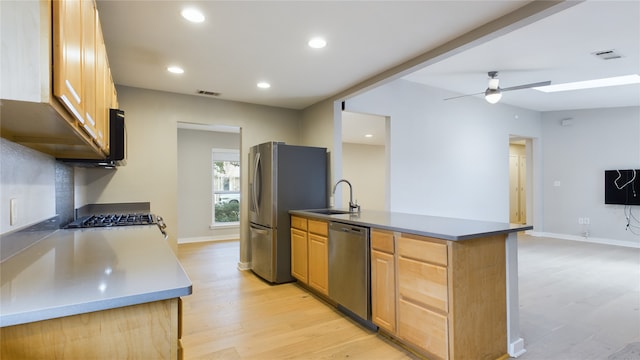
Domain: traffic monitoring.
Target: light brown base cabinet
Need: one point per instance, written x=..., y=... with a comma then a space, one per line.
x=310, y=253
x=444, y=299
x=299, y=255
x=383, y=280
x=144, y=331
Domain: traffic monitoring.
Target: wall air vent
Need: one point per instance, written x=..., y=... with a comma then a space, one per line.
x=208, y=93
x=607, y=54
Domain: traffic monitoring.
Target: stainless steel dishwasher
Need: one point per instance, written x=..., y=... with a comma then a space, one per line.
x=349, y=283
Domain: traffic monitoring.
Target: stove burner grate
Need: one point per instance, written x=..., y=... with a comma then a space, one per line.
x=112, y=220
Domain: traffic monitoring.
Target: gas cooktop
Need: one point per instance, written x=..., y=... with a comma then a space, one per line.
x=106, y=220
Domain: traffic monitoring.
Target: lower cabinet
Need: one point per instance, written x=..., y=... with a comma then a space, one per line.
x=319, y=263
x=144, y=331
x=310, y=253
x=383, y=280
x=424, y=328
x=423, y=294
x=299, y=262
x=444, y=299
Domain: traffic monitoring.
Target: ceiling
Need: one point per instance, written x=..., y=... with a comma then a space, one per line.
x=356, y=127
x=243, y=42
x=558, y=48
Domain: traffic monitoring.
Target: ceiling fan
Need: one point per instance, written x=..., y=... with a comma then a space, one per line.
x=493, y=94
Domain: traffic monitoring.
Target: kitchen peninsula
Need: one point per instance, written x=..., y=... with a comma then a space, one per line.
x=107, y=293
x=443, y=287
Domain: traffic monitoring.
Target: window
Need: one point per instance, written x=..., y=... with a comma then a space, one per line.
x=225, y=172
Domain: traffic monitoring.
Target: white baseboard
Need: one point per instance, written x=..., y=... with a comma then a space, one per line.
x=208, y=238
x=594, y=240
x=516, y=348
x=244, y=266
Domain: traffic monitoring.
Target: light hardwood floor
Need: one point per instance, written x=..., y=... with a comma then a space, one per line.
x=577, y=301
x=233, y=314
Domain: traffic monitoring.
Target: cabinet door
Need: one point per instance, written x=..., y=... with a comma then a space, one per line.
x=319, y=227
x=299, y=223
x=423, y=328
x=423, y=283
x=423, y=248
x=67, y=50
x=89, y=67
x=102, y=97
x=383, y=292
x=114, y=93
x=319, y=263
x=299, y=255
x=382, y=240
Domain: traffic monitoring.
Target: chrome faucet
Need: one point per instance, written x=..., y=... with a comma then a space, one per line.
x=352, y=206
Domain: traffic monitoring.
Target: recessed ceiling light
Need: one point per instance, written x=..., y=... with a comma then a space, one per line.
x=175, y=70
x=264, y=85
x=368, y=136
x=317, y=43
x=193, y=15
x=591, y=84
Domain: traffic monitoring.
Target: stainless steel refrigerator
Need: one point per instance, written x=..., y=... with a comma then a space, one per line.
x=281, y=178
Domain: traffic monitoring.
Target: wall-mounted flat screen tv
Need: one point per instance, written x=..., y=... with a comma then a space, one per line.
x=622, y=187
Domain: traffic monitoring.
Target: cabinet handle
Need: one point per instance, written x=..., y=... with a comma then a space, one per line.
x=90, y=119
x=72, y=108
x=73, y=91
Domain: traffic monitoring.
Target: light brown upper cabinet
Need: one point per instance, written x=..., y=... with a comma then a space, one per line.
x=68, y=53
x=80, y=81
x=56, y=87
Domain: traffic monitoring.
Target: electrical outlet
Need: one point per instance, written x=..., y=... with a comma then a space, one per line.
x=587, y=221
x=581, y=221
x=13, y=211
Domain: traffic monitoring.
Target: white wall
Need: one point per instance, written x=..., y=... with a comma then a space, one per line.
x=318, y=128
x=447, y=158
x=365, y=168
x=29, y=177
x=151, y=170
x=195, y=182
x=576, y=157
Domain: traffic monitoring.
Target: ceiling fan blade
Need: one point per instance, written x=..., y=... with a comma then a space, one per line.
x=461, y=96
x=519, y=87
x=526, y=86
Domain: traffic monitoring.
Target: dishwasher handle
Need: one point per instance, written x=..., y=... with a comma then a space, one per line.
x=347, y=228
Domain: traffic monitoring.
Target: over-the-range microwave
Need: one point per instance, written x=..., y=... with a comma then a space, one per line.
x=117, y=145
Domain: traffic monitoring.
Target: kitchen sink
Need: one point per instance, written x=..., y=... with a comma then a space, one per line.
x=328, y=211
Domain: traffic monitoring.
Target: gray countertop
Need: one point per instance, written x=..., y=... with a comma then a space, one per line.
x=72, y=272
x=438, y=227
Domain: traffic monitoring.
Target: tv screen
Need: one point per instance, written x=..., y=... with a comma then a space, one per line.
x=622, y=187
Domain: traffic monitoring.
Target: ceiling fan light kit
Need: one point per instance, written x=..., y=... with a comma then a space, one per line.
x=493, y=95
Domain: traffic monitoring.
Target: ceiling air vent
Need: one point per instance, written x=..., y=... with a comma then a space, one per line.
x=607, y=55
x=208, y=93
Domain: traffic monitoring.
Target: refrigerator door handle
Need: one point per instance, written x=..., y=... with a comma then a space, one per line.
x=256, y=186
x=259, y=230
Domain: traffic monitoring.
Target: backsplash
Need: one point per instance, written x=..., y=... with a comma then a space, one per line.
x=40, y=186
x=64, y=192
